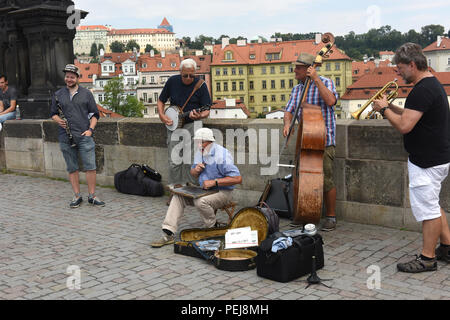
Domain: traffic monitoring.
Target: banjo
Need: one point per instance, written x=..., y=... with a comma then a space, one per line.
x=179, y=117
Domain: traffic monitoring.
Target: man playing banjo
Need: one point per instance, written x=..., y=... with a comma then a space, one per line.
x=190, y=94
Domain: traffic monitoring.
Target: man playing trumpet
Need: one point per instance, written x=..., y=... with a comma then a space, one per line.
x=425, y=125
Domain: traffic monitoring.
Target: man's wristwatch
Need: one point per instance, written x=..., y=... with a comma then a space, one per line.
x=91, y=130
x=382, y=111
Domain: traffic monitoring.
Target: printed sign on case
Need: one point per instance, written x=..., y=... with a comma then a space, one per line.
x=241, y=238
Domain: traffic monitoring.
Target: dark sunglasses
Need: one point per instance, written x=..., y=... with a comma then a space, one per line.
x=188, y=76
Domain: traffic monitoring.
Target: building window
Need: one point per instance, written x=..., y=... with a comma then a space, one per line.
x=272, y=84
x=241, y=85
x=327, y=66
x=252, y=56
x=152, y=79
x=233, y=86
x=252, y=99
x=225, y=71
x=264, y=84
x=338, y=81
x=274, y=98
x=291, y=83
x=291, y=69
x=251, y=86
x=337, y=66
x=272, y=70
x=241, y=99
x=264, y=98
x=250, y=70
x=283, y=97
x=218, y=86
x=241, y=70
x=155, y=95
x=225, y=86
x=145, y=96
x=281, y=69
x=263, y=70
x=233, y=71
x=282, y=84
x=228, y=55
x=218, y=72
x=144, y=80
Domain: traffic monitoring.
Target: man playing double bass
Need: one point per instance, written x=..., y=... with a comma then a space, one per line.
x=321, y=92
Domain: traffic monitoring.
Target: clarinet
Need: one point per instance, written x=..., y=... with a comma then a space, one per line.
x=63, y=117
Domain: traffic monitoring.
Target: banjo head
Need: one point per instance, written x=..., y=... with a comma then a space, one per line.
x=173, y=113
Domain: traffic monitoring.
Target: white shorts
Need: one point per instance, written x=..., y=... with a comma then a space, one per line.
x=424, y=188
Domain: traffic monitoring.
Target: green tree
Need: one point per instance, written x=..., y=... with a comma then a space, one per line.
x=94, y=50
x=117, y=47
x=131, y=45
x=117, y=101
x=149, y=48
x=100, y=46
x=430, y=32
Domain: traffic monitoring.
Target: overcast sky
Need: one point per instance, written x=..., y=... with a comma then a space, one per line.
x=251, y=18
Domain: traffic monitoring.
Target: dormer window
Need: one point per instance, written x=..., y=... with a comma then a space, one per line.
x=252, y=56
x=229, y=55
x=173, y=64
x=159, y=65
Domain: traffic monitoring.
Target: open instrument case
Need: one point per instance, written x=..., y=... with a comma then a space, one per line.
x=226, y=259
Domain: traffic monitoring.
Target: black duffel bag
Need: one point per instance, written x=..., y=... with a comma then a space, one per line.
x=135, y=181
x=290, y=263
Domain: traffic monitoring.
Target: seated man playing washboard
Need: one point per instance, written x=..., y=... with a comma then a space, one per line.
x=214, y=168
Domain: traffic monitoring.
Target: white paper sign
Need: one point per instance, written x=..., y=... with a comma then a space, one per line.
x=241, y=238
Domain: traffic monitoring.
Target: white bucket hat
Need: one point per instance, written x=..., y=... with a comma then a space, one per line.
x=204, y=134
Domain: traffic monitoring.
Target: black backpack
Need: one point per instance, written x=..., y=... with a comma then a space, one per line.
x=135, y=181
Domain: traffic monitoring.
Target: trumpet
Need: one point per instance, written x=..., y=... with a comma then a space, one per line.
x=391, y=97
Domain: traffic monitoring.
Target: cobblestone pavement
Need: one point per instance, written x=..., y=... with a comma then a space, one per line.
x=40, y=237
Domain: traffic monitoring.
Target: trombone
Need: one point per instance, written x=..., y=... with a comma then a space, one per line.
x=391, y=97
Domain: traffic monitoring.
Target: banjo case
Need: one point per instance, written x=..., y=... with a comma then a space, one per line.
x=225, y=259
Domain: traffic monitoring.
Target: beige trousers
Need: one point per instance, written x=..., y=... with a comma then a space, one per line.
x=205, y=205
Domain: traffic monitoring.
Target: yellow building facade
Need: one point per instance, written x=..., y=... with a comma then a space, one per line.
x=261, y=75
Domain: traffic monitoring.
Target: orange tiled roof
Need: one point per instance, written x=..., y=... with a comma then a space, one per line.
x=289, y=52
x=138, y=31
x=97, y=27
x=105, y=113
x=445, y=45
x=386, y=53
x=152, y=62
x=165, y=22
x=369, y=84
x=360, y=68
x=119, y=57
x=220, y=104
x=86, y=70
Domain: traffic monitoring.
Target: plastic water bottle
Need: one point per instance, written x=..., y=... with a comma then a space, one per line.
x=18, y=113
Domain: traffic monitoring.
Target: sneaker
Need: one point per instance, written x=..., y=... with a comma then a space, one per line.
x=76, y=201
x=418, y=265
x=329, y=224
x=443, y=253
x=164, y=240
x=95, y=201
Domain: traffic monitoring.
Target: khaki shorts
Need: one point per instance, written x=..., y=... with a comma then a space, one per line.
x=328, y=158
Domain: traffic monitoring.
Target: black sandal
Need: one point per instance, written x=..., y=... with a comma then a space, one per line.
x=417, y=265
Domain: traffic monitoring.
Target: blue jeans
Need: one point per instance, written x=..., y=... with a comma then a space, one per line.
x=8, y=116
x=85, y=148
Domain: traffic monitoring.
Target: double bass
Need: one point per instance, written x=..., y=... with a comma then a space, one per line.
x=308, y=164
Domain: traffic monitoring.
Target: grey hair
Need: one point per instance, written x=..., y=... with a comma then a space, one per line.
x=188, y=63
x=411, y=52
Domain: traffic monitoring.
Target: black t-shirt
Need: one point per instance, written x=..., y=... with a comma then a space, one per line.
x=177, y=92
x=428, y=143
x=77, y=110
x=7, y=96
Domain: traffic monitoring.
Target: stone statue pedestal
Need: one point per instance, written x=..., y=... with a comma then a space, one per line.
x=36, y=42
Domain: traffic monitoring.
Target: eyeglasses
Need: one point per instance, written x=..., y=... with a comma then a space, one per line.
x=188, y=76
